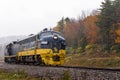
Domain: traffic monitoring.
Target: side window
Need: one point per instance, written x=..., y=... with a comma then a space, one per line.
x=15, y=48
x=27, y=46
x=45, y=34
x=20, y=47
x=32, y=45
x=23, y=47
x=42, y=35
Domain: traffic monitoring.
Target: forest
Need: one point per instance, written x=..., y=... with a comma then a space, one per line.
x=99, y=31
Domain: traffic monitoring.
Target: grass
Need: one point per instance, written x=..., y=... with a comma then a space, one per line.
x=102, y=60
x=66, y=76
x=15, y=76
x=20, y=75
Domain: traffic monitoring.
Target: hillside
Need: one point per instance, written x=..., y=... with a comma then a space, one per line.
x=93, y=59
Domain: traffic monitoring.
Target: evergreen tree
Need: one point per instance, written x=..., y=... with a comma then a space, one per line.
x=116, y=7
x=61, y=25
x=105, y=21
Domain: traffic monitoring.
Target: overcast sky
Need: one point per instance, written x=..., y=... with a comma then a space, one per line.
x=24, y=17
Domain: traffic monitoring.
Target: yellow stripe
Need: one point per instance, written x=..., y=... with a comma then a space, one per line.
x=26, y=53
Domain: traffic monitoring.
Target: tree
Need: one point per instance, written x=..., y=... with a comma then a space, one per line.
x=105, y=21
x=71, y=33
x=116, y=26
x=91, y=29
x=82, y=40
x=116, y=8
x=60, y=26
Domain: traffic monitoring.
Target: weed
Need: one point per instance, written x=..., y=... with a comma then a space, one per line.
x=66, y=75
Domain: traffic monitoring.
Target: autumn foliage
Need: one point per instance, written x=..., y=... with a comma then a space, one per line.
x=101, y=27
x=91, y=29
x=79, y=33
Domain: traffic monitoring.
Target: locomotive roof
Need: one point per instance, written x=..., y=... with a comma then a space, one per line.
x=33, y=37
x=28, y=39
x=51, y=31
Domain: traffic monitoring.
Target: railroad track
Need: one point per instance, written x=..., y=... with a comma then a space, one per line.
x=72, y=67
x=91, y=68
x=76, y=73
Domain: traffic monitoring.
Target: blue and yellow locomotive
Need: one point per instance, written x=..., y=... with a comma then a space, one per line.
x=47, y=47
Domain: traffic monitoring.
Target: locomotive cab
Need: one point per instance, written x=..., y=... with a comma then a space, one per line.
x=54, y=44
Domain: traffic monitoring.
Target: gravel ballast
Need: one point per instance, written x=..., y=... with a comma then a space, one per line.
x=56, y=73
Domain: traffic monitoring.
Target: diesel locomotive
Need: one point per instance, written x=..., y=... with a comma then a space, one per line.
x=46, y=47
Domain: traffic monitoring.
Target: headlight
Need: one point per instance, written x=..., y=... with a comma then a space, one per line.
x=55, y=37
